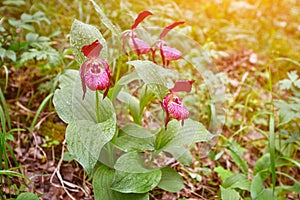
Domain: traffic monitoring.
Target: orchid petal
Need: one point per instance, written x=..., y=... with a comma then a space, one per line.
x=108, y=74
x=171, y=53
x=183, y=86
x=174, y=108
x=92, y=50
x=178, y=111
x=141, y=16
x=97, y=81
x=82, y=72
x=168, y=28
x=139, y=46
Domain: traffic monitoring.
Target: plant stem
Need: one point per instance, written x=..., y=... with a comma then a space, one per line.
x=272, y=134
x=110, y=151
x=119, y=65
x=97, y=107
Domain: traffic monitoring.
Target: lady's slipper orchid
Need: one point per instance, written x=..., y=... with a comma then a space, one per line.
x=172, y=103
x=130, y=38
x=167, y=53
x=94, y=72
x=174, y=108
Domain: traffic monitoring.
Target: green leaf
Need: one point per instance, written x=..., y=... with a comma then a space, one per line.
x=262, y=166
x=287, y=189
x=14, y=2
x=293, y=76
x=136, y=182
x=181, y=154
x=229, y=194
x=170, y=180
x=11, y=55
x=177, y=138
x=223, y=173
x=27, y=196
x=136, y=131
x=156, y=77
x=286, y=111
x=133, y=137
x=133, y=105
x=32, y=37
x=296, y=163
x=237, y=181
x=123, y=81
x=256, y=186
x=85, y=140
x=285, y=84
x=191, y=132
x=2, y=52
x=236, y=152
x=297, y=83
x=69, y=104
x=26, y=17
x=29, y=55
x=103, y=178
x=14, y=23
x=83, y=34
x=266, y=194
x=62, y=100
x=132, y=163
x=68, y=157
x=145, y=97
x=129, y=143
x=164, y=137
x=104, y=19
x=28, y=27
x=11, y=173
x=239, y=161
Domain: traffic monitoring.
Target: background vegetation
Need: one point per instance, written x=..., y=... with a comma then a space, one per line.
x=255, y=45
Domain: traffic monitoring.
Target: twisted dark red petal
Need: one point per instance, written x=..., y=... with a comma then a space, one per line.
x=183, y=86
x=104, y=63
x=82, y=72
x=141, y=16
x=92, y=50
x=168, y=28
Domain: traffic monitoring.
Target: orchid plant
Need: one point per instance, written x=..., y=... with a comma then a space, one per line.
x=130, y=38
x=167, y=53
x=120, y=157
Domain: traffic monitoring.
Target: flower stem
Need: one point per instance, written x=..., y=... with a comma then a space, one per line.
x=97, y=107
x=119, y=65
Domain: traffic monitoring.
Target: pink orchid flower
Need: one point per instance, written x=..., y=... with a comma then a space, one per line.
x=94, y=72
x=167, y=53
x=130, y=38
x=172, y=103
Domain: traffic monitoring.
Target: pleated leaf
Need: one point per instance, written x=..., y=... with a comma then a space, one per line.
x=103, y=178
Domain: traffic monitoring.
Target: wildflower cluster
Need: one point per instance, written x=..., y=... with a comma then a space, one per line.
x=95, y=72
